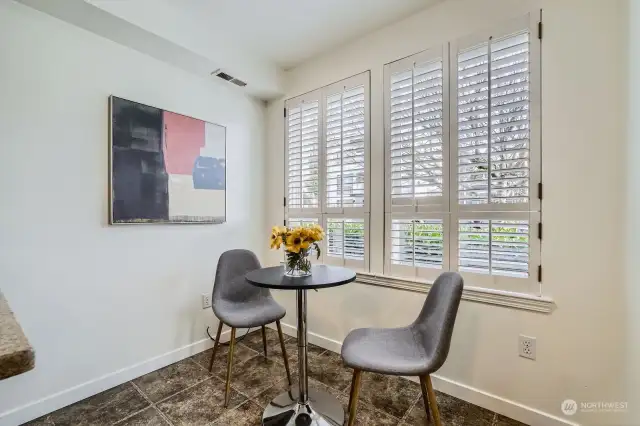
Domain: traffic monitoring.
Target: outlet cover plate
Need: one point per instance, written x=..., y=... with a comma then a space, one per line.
x=527, y=347
x=206, y=300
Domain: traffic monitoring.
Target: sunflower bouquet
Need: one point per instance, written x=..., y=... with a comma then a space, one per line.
x=298, y=243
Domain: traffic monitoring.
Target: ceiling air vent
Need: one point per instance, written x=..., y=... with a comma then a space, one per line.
x=229, y=78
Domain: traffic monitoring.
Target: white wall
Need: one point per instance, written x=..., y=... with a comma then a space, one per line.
x=94, y=299
x=580, y=346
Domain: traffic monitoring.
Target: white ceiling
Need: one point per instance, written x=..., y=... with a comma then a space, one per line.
x=283, y=32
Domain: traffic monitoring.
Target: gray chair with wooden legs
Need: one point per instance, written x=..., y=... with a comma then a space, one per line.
x=417, y=350
x=239, y=304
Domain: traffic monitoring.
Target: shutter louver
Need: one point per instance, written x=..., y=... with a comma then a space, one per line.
x=306, y=222
x=303, y=144
x=416, y=131
x=417, y=242
x=498, y=247
x=345, y=238
x=494, y=122
x=345, y=148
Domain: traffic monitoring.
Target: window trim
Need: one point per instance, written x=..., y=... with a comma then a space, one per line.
x=508, y=299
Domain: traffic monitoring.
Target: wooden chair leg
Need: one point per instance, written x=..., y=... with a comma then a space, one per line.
x=232, y=344
x=215, y=346
x=264, y=340
x=284, y=352
x=353, y=397
x=427, y=387
x=425, y=399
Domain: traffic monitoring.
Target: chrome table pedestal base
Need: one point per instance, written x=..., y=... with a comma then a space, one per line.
x=321, y=409
x=303, y=406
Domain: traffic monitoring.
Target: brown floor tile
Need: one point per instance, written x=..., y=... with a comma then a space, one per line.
x=248, y=414
x=453, y=411
x=104, y=408
x=366, y=415
x=391, y=394
x=501, y=420
x=149, y=417
x=256, y=375
x=199, y=405
x=254, y=341
x=327, y=368
x=40, y=421
x=241, y=353
x=173, y=378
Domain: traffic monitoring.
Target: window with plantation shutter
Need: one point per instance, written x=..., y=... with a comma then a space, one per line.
x=495, y=157
x=462, y=148
x=327, y=133
x=303, y=153
x=494, y=122
x=417, y=132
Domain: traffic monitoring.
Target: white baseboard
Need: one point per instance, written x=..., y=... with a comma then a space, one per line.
x=35, y=409
x=506, y=407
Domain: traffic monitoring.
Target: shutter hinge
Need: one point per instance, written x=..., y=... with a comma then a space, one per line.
x=540, y=230
x=539, y=273
x=540, y=190
x=285, y=112
x=540, y=30
x=285, y=202
x=285, y=222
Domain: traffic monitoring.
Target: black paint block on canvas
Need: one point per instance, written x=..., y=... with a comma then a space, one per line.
x=139, y=181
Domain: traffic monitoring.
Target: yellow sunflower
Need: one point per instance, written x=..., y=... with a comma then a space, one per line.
x=294, y=241
x=276, y=241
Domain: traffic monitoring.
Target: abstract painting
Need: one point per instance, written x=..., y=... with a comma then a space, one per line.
x=164, y=167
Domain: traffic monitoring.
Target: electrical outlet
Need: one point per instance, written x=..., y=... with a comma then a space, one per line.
x=527, y=347
x=206, y=300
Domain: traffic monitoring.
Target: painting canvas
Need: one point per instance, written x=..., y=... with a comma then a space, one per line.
x=165, y=167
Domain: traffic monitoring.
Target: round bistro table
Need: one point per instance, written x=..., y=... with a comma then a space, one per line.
x=304, y=406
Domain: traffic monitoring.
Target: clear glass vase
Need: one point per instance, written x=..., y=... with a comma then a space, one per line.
x=297, y=264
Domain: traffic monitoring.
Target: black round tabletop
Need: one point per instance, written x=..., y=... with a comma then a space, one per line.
x=322, y=276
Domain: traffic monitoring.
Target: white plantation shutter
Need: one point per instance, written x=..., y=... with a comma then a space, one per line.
x=417, y=132
x=495, y=157
x=495, y=111
x=303, y=153
x=498, y=250
x=417, y=247
x=346, y=142
x=346, y=241
x=327, y=156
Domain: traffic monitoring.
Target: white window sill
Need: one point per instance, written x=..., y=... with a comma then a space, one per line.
x=525, y=302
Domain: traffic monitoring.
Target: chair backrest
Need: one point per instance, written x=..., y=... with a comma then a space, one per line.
x=438, y=315
x=230, y=283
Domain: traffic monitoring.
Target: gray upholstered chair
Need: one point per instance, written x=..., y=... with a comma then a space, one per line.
x=239, y=304
x=417, y=350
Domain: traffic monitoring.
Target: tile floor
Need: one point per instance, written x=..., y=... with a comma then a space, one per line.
x=185, y=393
